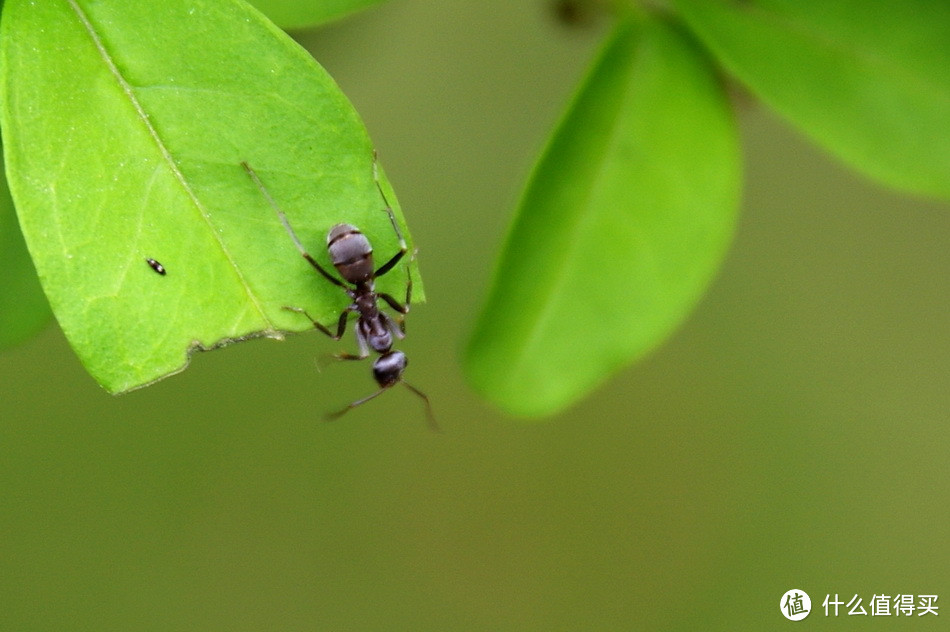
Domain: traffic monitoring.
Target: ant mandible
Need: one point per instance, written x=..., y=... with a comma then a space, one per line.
x=352, y=256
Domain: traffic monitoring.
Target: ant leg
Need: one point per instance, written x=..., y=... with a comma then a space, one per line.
x=433, y=424
x=409, y=280
x=340, y=413
x=290, y=231
x=430, y=416
x=398, y=329
x=340, y=330
x=340, y=326
x=402, y=309
x=403, y=248
x=361, y=342
x=329, y=277
x=349, y=356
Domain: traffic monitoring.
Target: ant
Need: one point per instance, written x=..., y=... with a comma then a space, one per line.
x=352, y=256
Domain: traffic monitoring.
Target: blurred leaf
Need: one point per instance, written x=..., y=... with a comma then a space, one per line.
x=291, y=14
x=868, y=81
x=23, y=308
x=125, y=125
x=622, y=226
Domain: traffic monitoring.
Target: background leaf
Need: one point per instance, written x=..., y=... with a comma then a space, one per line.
x=621, y=227
x=290, y=14
x=23, y=308
x=868, y=81
x=125, y=125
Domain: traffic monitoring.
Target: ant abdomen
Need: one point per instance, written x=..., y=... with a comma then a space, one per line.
x=351, y=253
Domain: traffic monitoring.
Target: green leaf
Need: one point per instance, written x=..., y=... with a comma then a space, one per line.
x=23, y=308
x=868, y=81
x=622, y=226
x=125, y=125
x=291, y=14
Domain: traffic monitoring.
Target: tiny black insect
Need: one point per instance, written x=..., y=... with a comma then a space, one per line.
x=155, y=265
x=352, y=256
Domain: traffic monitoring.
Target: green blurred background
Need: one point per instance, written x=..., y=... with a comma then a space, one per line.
x=793, y=434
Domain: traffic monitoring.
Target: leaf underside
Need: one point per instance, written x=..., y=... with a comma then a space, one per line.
x=868, y=81
x=125, y=125
x=621, y=227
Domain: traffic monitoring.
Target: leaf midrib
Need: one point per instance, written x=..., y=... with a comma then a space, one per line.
x=126, y=88
x=546, y=314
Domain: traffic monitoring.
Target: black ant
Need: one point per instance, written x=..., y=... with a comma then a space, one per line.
x=352, y=256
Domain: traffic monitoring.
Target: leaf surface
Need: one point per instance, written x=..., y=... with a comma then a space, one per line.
x=125, y=125
x=621, y=227
x=868, y=81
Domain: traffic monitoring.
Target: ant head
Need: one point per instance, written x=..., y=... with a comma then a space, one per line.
x=388, y=368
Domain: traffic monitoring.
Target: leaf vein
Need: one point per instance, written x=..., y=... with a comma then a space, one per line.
x=165, y=153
